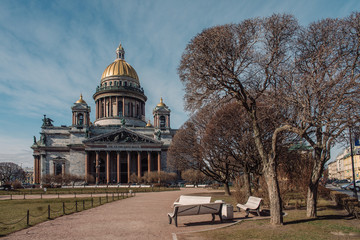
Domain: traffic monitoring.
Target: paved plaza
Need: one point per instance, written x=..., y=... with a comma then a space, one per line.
x=141, y=217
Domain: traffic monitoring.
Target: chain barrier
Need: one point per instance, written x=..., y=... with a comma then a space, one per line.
x=63, y=208
x=8, y=224
x=36, y=216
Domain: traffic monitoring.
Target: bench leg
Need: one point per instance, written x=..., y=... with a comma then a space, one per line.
x=175, y=220
x=170, y=219
x=247, y=213
x=258, y=212
x=213, y=217
x=221, y=220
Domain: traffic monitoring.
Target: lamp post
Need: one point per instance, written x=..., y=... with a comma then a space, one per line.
x=352, y=165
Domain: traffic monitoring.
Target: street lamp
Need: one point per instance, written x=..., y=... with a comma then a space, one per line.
x=352, y=163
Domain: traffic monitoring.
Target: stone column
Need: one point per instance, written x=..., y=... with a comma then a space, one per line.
x=107, y=167
x=54, y=168
x=110, y=107
x=139, y=164
x=35, y=170
x=97, y=167
x=149, y=161
x=118, y=170
x=63, y=169
x=128, y=166
x=86, y=166
x=123, y=107
x=159, y=162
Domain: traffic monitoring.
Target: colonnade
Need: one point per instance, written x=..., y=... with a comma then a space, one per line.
x=118, y=106
x=96, y=160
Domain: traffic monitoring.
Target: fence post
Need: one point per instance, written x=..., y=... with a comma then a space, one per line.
x=91, y=194
x=92, y=202
x=49, y=211
x=76, y=205
x=24, y=195
x=107, y=200
x=83, y=204
x=28, y=218
x=40, y=195
x=64, y=208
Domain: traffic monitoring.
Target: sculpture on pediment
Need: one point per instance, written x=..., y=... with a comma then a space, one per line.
x=47, y=122
x=34, y=140
x=158, y=134
x=123, y=121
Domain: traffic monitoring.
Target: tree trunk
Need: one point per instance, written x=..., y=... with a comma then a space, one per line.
x=311, y=202
x=247, y=185
x=312, y=199
x=227, y=189
x=276, y=217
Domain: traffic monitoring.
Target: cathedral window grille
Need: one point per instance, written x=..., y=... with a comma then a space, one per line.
x=162, y=121
x=80, y=119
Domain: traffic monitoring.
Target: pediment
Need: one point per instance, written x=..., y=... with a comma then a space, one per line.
x=122, y=136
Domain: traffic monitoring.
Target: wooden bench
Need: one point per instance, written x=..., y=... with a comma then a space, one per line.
x=183, y=200
x=195, y=209
x=252, y=204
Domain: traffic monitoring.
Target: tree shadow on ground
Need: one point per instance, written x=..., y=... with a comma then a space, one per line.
x=324, y=217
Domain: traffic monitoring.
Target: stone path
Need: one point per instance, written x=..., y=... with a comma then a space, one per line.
x=140, y=217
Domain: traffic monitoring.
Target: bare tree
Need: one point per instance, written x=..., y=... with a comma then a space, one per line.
x=324, y=89
x=9, y=172
x=243, y=61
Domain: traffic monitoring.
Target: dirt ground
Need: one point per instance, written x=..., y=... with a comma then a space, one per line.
x=141, y=217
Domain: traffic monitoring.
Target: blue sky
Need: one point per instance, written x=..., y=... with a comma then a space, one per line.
x=51, y=51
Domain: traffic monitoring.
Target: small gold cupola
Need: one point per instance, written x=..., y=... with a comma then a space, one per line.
x=120, y=52
x=161, y=104
x=148, y=124
x=81, y=100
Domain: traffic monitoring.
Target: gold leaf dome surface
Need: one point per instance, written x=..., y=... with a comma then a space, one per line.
x=120, y=68
x=161, y=104
x=81, y=100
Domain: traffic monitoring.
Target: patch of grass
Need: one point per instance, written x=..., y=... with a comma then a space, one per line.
x=331, y=223
x=93, y=190
x=13, y=215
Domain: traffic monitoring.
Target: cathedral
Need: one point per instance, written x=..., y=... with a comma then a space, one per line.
x=117, y=144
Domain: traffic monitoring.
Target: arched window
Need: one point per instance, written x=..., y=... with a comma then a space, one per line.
x=80, y=119
x=162, y=121
x=58, y=168
x=120, y=108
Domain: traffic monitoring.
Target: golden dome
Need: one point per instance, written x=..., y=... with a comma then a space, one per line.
x=120, y=67
x=161, y=104
x=81, y=100
x=148, y=124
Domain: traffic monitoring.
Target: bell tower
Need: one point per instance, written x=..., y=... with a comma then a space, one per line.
x=161, y=116
x=80, y=113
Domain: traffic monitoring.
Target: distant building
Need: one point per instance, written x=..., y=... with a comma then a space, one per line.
x=117, y=144
x=341, y=168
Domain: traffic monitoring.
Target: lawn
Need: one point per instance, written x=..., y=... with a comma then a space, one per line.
x=13, y=215
x=331, y=223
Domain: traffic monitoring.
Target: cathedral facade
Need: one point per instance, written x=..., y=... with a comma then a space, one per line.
x=117, y=144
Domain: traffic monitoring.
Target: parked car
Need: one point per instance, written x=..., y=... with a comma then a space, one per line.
x=340, y=182
x=6, y=187
x=357, y=185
